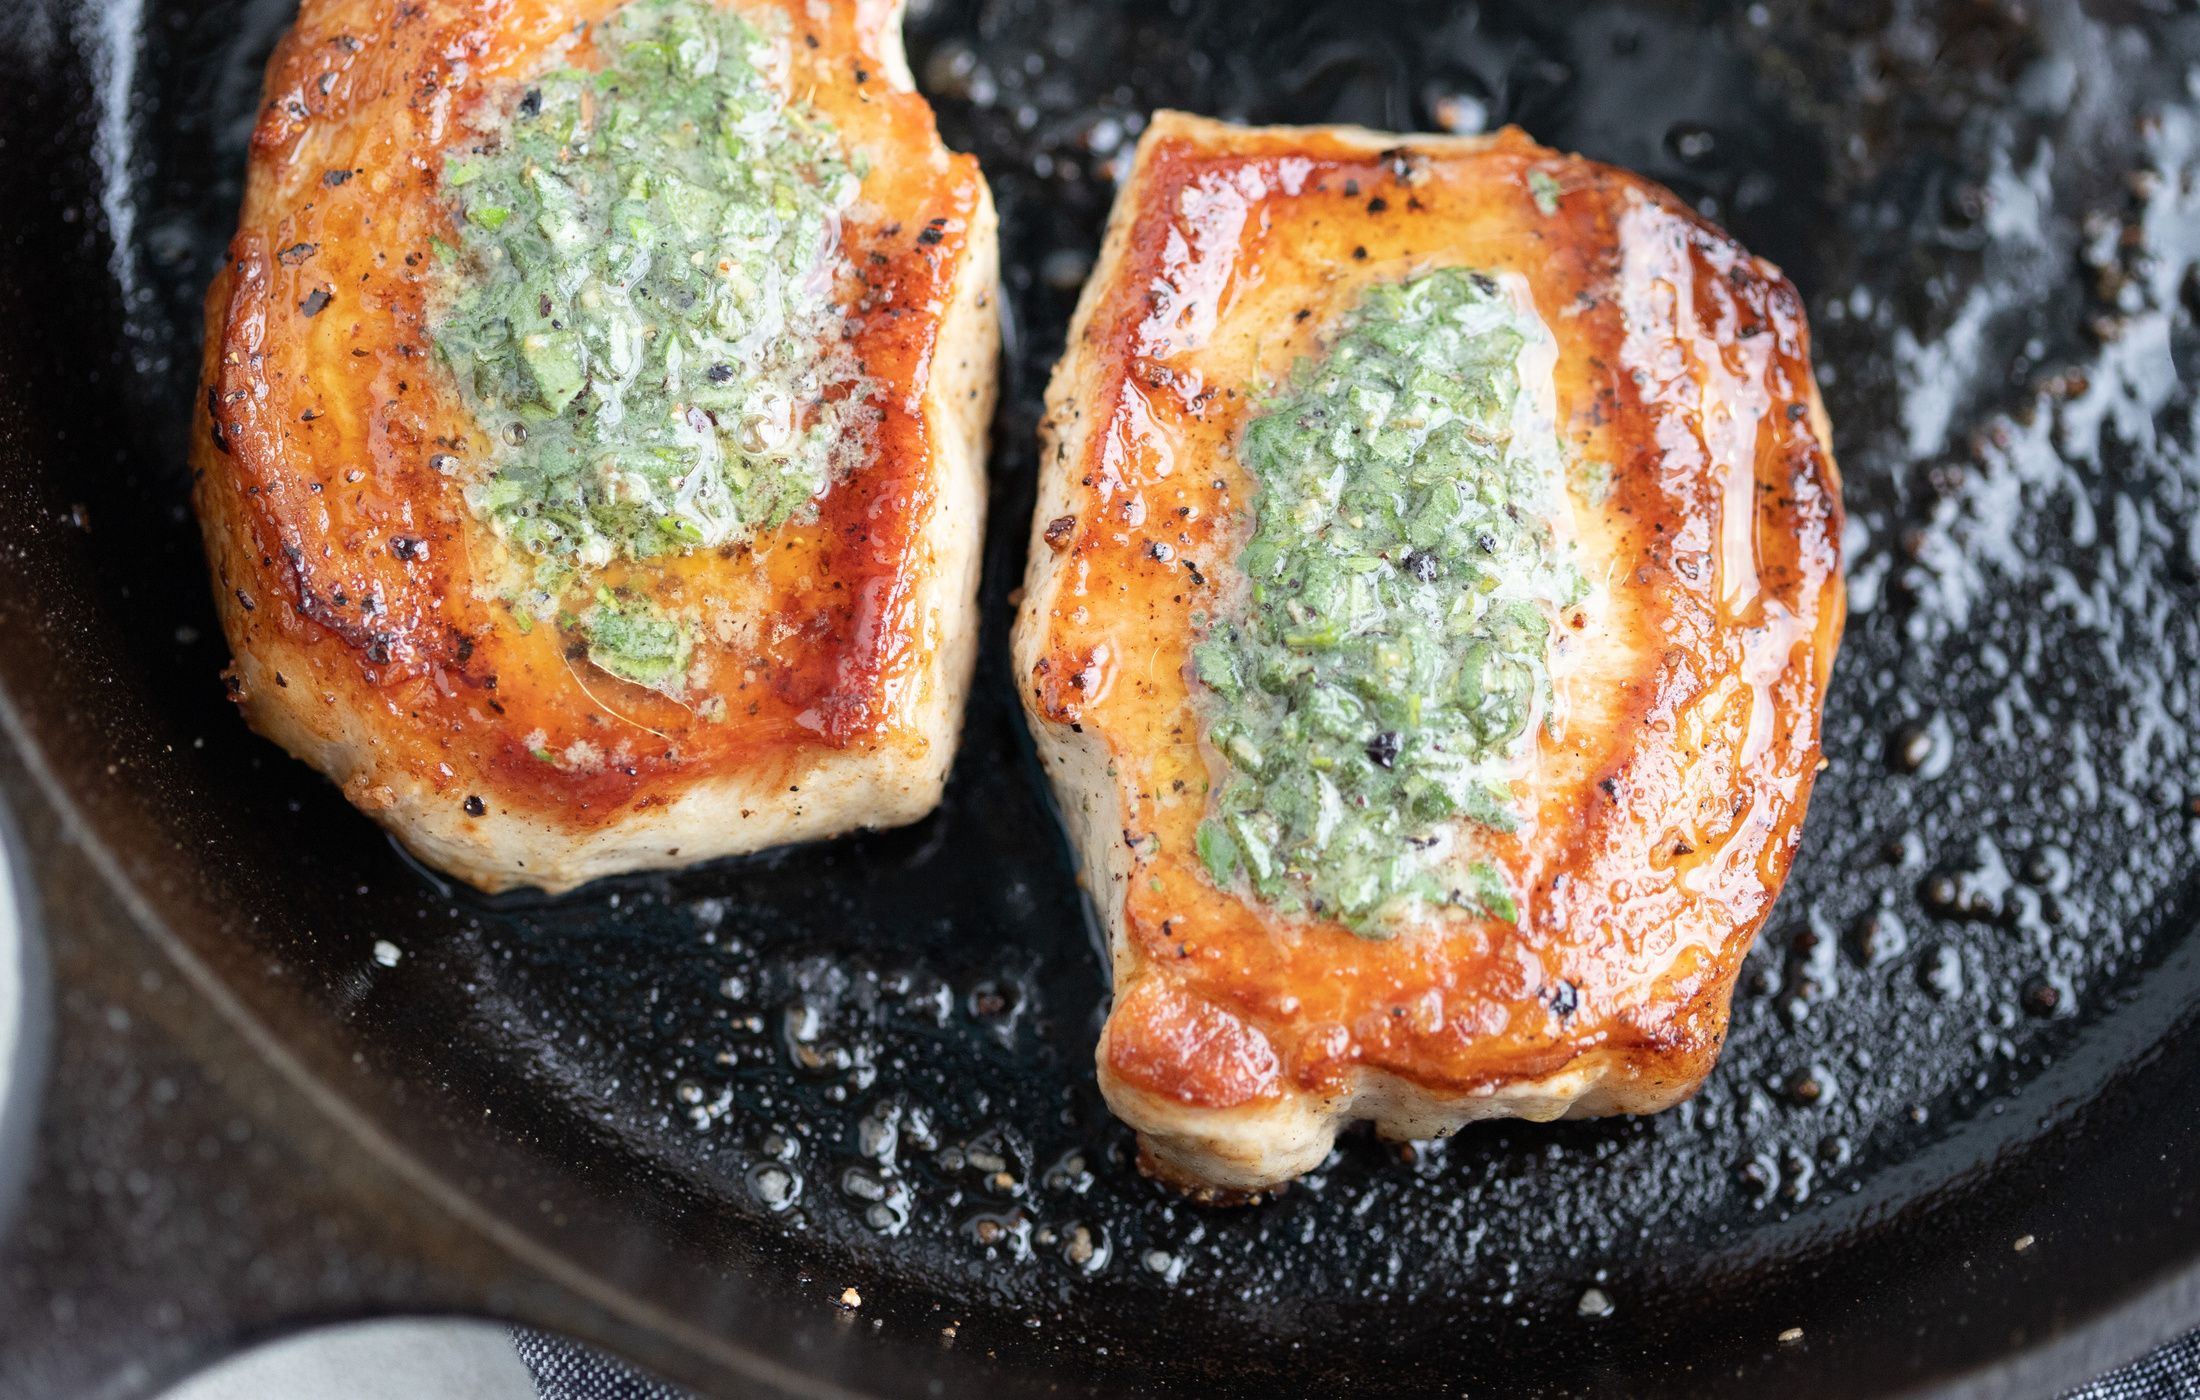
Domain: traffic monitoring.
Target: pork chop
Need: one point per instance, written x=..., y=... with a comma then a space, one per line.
x=1430, y=604
x=591, y=441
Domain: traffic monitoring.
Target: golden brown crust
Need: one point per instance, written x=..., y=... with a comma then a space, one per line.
x=330, y=451
x=1663, y=816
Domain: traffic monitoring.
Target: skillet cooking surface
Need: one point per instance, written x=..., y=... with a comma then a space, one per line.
x=869, y=1062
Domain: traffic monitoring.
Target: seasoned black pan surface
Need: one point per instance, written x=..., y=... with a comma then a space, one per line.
x=723, y=1097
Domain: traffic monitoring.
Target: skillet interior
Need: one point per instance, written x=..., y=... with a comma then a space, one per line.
x=868, y=1063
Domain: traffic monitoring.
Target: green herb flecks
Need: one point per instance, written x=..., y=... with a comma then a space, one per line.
x=1593, y=480
x=1546, y=192
x=638, y=311
x=1382, y=675
x=637, y=642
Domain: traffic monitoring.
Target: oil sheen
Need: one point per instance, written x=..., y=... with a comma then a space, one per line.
x=638, y=311
x=1376, y=686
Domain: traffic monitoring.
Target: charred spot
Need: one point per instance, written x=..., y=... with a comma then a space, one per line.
x=530, y=103
x=333, y=178
x=1382, y=750
x=1565, y=999
x=316, y=301
x=1377, y=205
x=475, y=806
x=297, y=253
x=408, y=548
x=932, y=232
x=214, y=421
x=719, y=374
x=1422, y=565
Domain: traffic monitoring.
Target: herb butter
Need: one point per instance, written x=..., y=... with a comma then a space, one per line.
x=639, y=311
x=1378, y=679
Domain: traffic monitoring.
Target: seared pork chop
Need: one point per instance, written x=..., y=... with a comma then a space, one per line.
x=1431, y=599
x=591, y=439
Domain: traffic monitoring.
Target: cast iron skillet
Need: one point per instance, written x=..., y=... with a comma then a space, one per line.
x=1954, y=1141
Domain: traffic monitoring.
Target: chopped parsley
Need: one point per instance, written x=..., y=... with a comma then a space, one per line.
x=1381, y=675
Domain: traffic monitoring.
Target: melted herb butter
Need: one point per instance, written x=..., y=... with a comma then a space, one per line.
x=1380, y=678
x=635, y=641
x=638, y=310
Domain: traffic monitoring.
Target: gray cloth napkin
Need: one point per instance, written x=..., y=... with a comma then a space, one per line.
x=566, y=1370
x=2172, y=1373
